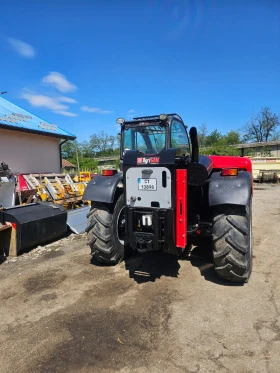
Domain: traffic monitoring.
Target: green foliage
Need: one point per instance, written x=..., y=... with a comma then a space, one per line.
x=214, y=138
x=85, y=149
x=102, y=142
x=232, y=138
x=202, y=134
x=86, y=164
x=117, y=164
x=263, y=127
x=217, y=149
x=85, y=154
x=217, y=144
x=68, y=149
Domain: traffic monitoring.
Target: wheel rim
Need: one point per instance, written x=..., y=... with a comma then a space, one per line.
x=121, y=226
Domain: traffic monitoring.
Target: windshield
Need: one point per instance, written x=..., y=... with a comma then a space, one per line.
x=146, y=139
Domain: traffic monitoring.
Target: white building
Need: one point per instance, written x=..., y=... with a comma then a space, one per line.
x=27, y=143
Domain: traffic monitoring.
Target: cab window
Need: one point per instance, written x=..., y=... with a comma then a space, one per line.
x=145, y=139
x=179, y=138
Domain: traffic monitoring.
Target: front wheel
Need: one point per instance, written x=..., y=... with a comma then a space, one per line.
x=105, y=231
x=232, y=242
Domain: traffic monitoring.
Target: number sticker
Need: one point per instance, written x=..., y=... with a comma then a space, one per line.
x=147, y=184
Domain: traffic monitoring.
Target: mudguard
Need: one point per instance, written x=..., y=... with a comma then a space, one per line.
x=236, y=190
x=102, y=188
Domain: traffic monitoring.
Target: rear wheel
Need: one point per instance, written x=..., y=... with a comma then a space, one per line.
x=105, y=231
x=232, y=242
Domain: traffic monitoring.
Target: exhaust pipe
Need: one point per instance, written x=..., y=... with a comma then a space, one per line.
x=194, y=141
x=198, y=171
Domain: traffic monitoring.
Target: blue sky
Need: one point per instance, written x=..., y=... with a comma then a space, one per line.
x=82, y=64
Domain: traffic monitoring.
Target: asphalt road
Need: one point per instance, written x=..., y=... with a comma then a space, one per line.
x=61, y=313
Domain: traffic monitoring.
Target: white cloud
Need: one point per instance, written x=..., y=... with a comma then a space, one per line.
x=131, y=111
x=95, y=110
x=22, y=48
x=66, y=113
x=67, y=99
x=44, y=101
x=47, y=102
x=59, y=81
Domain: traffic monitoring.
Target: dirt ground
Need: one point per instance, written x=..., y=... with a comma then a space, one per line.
x=154, y=313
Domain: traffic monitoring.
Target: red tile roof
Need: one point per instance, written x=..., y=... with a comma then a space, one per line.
x=66, y=163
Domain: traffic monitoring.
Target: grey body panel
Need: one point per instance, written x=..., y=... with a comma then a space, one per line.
x=7, y=192
x=236, y=190
x=144, y=198
x=102, y=188
x=77, y=219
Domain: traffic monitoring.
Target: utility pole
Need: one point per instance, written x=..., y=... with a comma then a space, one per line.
x=77, y=155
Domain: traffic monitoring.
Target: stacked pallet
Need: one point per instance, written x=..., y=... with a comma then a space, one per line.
x=57, y=188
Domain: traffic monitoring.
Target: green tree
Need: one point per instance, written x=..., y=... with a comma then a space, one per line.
x=88, y=164
x=262, y=127
x=85, y=152
x=85, y=149
x=214, y=137
x=102, y=142
x=218, y=144
x=232, y=138
x=219, y=149
x=68, y=149
x=276, y=136
x=202, y=134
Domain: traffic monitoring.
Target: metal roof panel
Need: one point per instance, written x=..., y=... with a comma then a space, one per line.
x=15, y=117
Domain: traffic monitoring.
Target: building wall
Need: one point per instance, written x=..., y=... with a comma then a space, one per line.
x=29, y=153
x=261, y=151
x=273, y=150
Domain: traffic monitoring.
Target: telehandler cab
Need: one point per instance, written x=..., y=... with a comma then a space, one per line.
x=167, y=196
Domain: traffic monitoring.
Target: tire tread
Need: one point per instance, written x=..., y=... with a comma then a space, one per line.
x=232, y=252
x=100, y=233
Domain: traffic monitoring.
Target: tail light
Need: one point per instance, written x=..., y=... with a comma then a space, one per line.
x=108, y=172
x=229, y=172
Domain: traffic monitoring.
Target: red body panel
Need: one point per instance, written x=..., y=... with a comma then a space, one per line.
x=22, y=185
x=231, y=162
x=181, y=208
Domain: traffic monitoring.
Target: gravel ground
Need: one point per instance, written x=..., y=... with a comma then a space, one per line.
x=62, y=313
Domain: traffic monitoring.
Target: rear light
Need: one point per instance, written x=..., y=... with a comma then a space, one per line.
x=229, y=172
x=108, y=172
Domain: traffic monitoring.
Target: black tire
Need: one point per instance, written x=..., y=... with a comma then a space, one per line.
x=232, y=242
x=105, y=231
